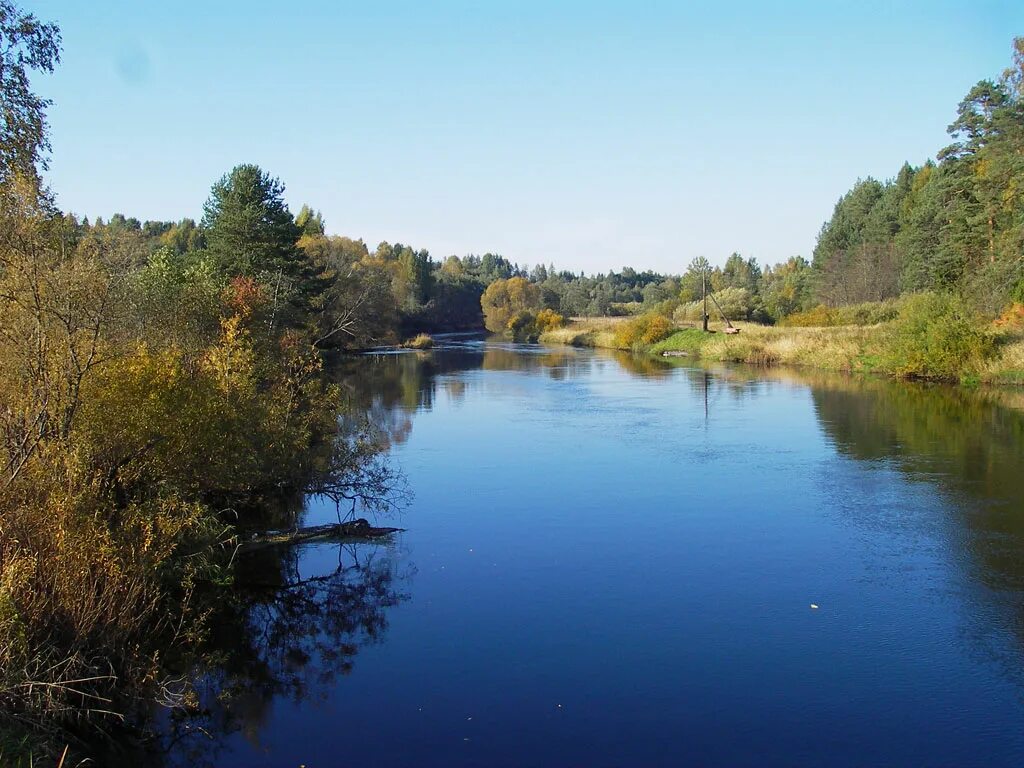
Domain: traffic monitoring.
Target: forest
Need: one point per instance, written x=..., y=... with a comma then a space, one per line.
x=951, y=225
x=168, y=386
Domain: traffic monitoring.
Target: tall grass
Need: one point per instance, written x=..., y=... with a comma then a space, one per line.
x=928, y=336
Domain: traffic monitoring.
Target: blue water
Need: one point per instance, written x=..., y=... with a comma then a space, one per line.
x=612, y=562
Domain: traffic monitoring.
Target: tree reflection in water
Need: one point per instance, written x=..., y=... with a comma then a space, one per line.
x=286, y=634
x=289, y=632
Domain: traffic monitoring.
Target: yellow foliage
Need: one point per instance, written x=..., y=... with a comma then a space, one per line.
x=232, y=360
x=642, y=330
x=548, y=320
x=504, y=299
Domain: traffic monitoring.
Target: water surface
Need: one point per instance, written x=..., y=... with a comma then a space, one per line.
x=612, y=561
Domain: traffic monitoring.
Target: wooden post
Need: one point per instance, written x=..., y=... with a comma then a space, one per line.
x=704, y=294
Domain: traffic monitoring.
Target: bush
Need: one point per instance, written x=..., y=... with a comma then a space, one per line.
x=548, y=320
x=643, y=330
x=866, y=313
x=937, y=337
x=527, y=326
x=505, y=300
x=817, y=317
x=734, y=303
x=420, y=341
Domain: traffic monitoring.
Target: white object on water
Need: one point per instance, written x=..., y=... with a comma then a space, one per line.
x=815, y=607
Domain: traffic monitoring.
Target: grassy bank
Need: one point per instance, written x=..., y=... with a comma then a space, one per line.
x=992, y=355
x=597, y=332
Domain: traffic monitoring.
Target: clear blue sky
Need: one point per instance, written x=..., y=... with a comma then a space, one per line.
x=590, y=134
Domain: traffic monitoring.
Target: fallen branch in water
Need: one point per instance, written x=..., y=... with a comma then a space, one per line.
x=353, y=529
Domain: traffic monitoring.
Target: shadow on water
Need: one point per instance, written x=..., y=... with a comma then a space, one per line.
x=291, y=626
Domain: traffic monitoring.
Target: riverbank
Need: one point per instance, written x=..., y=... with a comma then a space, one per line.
x=856, y=349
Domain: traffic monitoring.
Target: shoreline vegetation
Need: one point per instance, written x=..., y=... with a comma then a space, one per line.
x=171, y=388
x=924, y=341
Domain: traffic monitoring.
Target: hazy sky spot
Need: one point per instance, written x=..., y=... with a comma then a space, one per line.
x=132, y=65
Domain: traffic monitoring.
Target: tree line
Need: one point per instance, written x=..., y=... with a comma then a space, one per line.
x=167, y=386
x=955, y=224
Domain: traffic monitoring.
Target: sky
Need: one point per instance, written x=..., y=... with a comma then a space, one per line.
x=591, y=135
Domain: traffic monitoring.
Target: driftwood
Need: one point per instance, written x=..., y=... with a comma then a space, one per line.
x=352, y=530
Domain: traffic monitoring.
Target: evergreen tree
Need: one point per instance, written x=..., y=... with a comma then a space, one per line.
x=249, y=229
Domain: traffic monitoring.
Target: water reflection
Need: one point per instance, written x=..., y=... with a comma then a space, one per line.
x=299, y=616
x=390, y=387
x=295, y=623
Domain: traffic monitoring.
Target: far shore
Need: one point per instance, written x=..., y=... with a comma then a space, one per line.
x=850, y=348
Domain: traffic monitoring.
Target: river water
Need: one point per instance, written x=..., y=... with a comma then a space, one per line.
x=615, y=561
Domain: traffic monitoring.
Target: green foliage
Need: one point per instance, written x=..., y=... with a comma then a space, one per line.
x=688, y=340
x=937, y=337
x=143, y=393
x=816, y=317
x=26, y=45
x=310, y=222
x=249, y=229
x=1017, y=294
x=177, y=296
x=957, y=225
x=867, y=313
x=787, y=288
x=735, y=303
x=354, y=307
x=528, y=326
x=696, y=279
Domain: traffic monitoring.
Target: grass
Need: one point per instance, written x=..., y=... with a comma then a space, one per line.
x=849, y=348
x=586, y=332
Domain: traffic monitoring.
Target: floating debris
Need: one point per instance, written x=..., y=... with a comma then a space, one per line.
x=814, y=606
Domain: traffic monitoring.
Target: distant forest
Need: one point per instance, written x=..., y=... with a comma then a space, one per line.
x=954, y=224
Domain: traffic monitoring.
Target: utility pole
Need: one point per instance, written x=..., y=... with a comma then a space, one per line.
x=704, y=294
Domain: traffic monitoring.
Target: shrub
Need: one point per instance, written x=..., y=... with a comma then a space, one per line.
x=625, y=308
x=866, y=313
x=643, y=330
x=527, y=326
x=817, y=317
x=548, y=320
x=735, y=304
x=504, y=300
x=936, y=337
x=420, y=341
x=522, y=326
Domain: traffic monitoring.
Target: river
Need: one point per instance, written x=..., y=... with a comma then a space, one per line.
x=612, y=561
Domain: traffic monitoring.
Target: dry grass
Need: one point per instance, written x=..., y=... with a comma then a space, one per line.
x=850, y=348
x=420, y=341
x=1008, y=365
x=846, y=348
x=586, y=332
